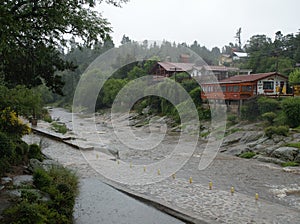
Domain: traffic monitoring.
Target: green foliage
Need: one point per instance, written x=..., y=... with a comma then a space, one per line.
x=62, y=186
x=291, y=108
x=267, y=56
x=290, y=163
x=294, y=77
x=196, y=96
x=136, y=72
x=26, y=212
x=33, y=58
x=15, y=99
x=279, y=130
x=41, y=179
x=110, y=90
x=269, y=117
x=30, y=195
x=266, y=104
x=232, y=119
x=11, y=124
x=247, y=155
x=4, y=165
x=60, y=128
x=6, y=146
x=47, y=118
x=35, y=152
x=250, y=111
x=293, y=144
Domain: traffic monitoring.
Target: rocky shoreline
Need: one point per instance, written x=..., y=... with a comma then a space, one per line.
x=278, y=187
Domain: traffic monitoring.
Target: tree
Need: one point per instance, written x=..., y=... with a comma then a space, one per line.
x=33, y=31
x=125, y=40
x=238, y=37
x=294, y=77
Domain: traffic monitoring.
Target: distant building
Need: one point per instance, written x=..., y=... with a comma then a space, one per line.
x=168, y=69
x=238, y=55
x=225, y=59
x=221, y=72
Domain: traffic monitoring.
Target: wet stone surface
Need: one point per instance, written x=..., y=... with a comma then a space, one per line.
x=247, y=176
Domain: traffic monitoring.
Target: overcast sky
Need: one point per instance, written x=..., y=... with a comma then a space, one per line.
x=210, y=22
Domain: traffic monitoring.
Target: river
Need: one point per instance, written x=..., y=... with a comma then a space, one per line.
x=247, y=176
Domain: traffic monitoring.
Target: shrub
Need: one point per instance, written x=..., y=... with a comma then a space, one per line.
x=47, y=118
x=30, y=195
x=6, y=146
x=232, y=119
x=61, y=185
x=291, y=108
x=26, y=212
x=269, y=116
x=247, y=155
x=11, y=124
x=35, y=152
x=33, y=213
x=266, y=104
x=250, y=111
x=4, y=166
x=196, y=96
x=61, y=128
x=41, y=179
x=280, y=130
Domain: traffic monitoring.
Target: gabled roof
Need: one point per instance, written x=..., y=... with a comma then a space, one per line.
x=251, y=77
x=217, y=68
x=240, y=54
x=180, y=67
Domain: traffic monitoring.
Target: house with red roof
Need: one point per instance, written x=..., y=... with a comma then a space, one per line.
x=243, y=87
x=168, y=69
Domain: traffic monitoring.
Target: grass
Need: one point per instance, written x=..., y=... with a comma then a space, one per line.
x=247, y=155
x=232, y=130
x=293, y=144
x=61, y=128
x=47, y=118
x=290, y=164
x=297, y=129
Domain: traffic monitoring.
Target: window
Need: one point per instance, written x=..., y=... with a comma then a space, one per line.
x=236, y=89
x=268, y=85
x=246, y=88
x=230, y=89
x=223, y=88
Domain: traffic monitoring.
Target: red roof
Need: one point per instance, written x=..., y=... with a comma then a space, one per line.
x=251, y=77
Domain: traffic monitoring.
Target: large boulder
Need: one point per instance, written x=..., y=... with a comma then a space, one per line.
x=47, y=164
x=22, y=180
x=251, y=136
x=243, y=137
x=285, y=153
x=233, y=138
x=235, y=150
x=297, y=158
x=269, y=159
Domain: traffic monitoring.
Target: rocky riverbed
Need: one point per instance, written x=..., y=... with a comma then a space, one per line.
x=278, y=187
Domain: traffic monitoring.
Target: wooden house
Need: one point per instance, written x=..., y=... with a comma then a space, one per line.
x=242, y=87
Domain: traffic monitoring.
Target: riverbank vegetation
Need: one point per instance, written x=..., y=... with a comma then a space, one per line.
x=50, y=200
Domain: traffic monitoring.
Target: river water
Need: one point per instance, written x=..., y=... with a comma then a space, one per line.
x=247, y=176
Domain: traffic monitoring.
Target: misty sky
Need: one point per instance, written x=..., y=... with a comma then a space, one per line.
x=210, y=22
